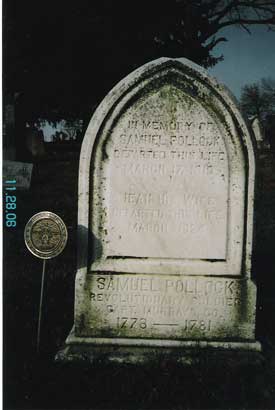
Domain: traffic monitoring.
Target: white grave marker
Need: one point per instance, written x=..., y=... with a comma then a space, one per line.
x=166, y=188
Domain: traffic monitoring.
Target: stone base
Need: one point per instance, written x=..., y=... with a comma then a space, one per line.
x=141, y=351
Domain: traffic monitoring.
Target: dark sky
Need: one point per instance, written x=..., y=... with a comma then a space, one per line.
x=247, y=58
x=64, y=55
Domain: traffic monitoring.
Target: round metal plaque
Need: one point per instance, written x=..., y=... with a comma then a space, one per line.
x=45, y=235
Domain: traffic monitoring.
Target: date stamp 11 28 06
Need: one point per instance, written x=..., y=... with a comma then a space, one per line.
x=10, y=203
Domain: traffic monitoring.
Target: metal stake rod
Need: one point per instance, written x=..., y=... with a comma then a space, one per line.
x=40, y=306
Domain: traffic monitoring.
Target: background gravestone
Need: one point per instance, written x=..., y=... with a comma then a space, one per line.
x=35, y=142
x=9, y=151
x=19, y=171
x=166, y=188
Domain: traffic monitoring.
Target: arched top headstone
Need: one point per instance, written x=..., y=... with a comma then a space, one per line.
x=257, y=129
x=166, y=189
x=166, y=181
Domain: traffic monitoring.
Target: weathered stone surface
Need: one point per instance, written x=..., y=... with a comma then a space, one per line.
x=168, y=180
x=167, y=307
x=8, y=132
x=35, y=142
x=201, y=353
x=19, y=171
x=166, y=189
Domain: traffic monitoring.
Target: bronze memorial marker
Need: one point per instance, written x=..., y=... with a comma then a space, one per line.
x=45, y=237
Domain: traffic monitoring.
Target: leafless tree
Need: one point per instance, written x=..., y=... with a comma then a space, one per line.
x=198, y=26
x=259, y=98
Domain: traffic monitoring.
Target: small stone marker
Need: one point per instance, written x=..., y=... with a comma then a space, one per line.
x=35, y=142
x=166, y=188
x=20, y=171
x=45, y=237
x=259, y=133
x=8, y=131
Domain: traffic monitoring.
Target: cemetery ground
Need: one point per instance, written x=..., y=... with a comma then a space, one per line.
x=32, y=381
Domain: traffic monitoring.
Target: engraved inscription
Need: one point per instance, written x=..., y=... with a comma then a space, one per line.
x=150, y=305
x=168, y=170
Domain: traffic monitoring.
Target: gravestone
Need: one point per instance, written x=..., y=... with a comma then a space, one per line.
x=261, y=141
x=35, y=142
x=165, y=220
x=8, y=132
x=21, y=172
